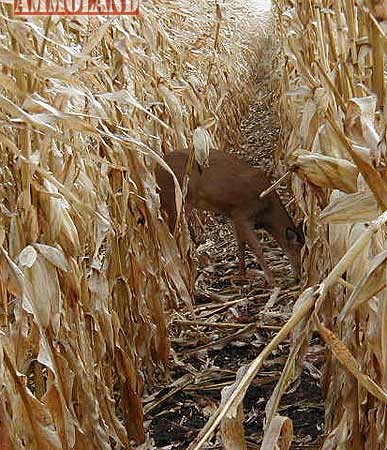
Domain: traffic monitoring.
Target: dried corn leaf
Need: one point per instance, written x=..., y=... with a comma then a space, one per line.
x=11, y=275
x=359, y=207
x=231, y=427
x=371, y=283
x=54, y=255
x=126, y=98
x=40, y=432
x=62, y=226
x=5, y=429
x=359, y=122
x=42, y=286
x=279, y=435
x=349, y=362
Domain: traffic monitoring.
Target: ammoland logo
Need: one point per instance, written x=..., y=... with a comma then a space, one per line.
x=76, y=7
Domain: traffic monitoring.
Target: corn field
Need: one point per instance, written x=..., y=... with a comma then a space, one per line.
x=89, y=270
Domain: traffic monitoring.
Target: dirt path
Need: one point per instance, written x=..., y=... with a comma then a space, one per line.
x=207, y=357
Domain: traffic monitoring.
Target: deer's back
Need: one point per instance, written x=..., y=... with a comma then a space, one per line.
x=228, y=185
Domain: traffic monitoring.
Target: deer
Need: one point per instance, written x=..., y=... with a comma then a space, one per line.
x=232, y=187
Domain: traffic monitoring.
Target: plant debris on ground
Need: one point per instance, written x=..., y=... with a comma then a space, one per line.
x=234, y=319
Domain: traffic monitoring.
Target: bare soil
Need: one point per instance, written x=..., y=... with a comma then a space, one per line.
x=206, y=358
